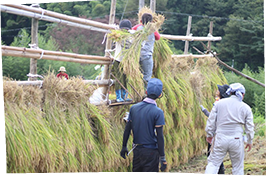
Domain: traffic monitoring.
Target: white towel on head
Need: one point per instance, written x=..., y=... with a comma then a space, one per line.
x=238, y=89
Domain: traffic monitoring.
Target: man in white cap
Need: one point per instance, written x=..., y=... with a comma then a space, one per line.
x=225, y=130
x=144, y=119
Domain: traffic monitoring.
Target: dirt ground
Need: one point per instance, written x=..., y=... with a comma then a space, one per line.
x=254, y=163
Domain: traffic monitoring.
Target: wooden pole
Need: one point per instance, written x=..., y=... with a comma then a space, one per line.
x=57, y=53
x=34, y=42
x=108, y=47
x=50, y=57
x=210, y=32
x=141, y=4
x=62, y=16
x=31, y=14
x=190, y=38
x=99, y=83
x=153, y=5
x=186, y=46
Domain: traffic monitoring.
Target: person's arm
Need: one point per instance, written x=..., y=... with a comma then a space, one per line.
x=126, y=134
x=157, y=35
x=249, y=129
x=211, y=124
x=160, y=138
x=205, y=111
x=67, y=76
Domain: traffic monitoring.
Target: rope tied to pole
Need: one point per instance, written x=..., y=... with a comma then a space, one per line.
x=34, y=46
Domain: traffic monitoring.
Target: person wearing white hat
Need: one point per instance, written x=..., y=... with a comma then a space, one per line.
x=62, y=73
x=224, y=130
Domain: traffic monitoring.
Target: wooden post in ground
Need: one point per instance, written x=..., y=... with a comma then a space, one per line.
x=210, y=31
x=34, y=42
x=153, y=5
x=108, y=47
x=141, y=4
x=186, y=46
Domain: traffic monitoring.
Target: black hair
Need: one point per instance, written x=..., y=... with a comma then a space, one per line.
x=152, y=96
x=146, y=17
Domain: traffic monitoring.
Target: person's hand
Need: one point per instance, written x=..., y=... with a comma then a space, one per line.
x=209, y=139
x=163, y=163
x=124, y=152
x=249, y=146
x=202, y=108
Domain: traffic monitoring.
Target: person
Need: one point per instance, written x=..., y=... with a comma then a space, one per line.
x=146, y=55
x=121, y=94
x=144, y=119
x=224, y=129
x=62, y=73
x=220, y=93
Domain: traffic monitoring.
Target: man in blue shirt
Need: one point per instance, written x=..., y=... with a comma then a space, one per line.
x=144, y=119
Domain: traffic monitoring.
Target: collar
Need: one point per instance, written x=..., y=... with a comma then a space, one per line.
x=151, y=101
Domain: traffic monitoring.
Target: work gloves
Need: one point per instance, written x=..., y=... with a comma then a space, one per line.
x=124, y=152
x=162, y=160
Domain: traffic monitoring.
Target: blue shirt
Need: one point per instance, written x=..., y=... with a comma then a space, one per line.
x=148, y=44
x=144, y=117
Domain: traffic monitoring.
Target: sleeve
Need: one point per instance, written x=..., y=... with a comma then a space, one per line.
x=157, y=35
x=206, y=112
x=249, y=126
x=160, y=118
x=67, y=76
x=160, y=140
x=211, y=122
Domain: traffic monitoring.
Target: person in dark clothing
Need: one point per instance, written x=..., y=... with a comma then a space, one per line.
x=221, y=93
x=144, y=119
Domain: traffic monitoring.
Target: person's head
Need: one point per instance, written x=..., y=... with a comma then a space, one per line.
x=125, y=24
x=62, y=69
x=221, y=92
x=236, y=89
x=154, y=88
x=146, y=17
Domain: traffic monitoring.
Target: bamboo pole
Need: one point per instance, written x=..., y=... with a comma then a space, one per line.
x=190, y=38
x=62, y=16
x=57, y=53
x=192, y=56
x=153, y=5
x=108, y=47
x=34, y=41
x=141, y=4
x=210, y=32
x=238, y=72
x=50, y=19
x=187, y=34
x=26, y=54
x=100, y=83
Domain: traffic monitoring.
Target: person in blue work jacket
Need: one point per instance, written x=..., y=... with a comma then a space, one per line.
x=144, y=119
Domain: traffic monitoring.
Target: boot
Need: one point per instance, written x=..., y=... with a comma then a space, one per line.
x=118, y=96
x=125, y=95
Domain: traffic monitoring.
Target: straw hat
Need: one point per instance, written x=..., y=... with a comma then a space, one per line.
x=62, y=69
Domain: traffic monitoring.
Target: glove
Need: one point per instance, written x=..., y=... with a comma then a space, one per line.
x=162, y=160
x=202, y=108
x=124, y=152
